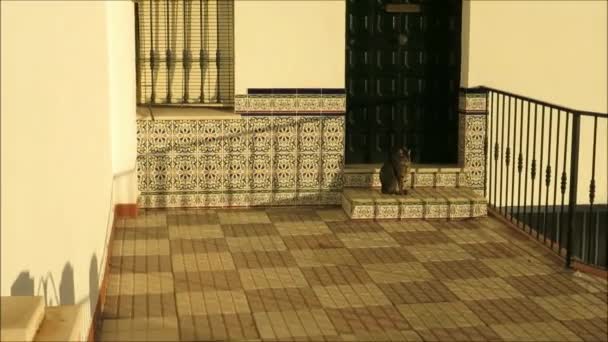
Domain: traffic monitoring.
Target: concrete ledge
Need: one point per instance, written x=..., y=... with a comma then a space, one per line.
x=20, y=317
x=60, y=323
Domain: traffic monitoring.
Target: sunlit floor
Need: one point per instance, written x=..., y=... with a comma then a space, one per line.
x=311, y=274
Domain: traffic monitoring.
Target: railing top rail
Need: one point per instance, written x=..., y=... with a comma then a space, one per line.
x=544, y=103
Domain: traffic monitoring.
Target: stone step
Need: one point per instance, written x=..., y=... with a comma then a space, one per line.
x=420, y=203
x=61, y=323
x=20, y=317
x=421, y=175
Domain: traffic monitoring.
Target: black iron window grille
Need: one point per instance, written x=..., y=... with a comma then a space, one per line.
x=185, y=52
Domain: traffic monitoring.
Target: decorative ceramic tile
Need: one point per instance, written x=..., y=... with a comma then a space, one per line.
x=462, y=179
x=333, y=134
x=260, y=103
x=472, y=157
x=236, y=171
x=357, y=180
x=475, y=170
x=308, y=171
x=308, y=198
x=309, y=103
x=284, y=198
x=363, y=212
x=211, y=172
x=210, y=136
x=241, y=103
x=475, y=132
x=472, y=102
x=309, y=134
x=236, y=137
x=261, y=176
x=185, y=176
x=238, y=199
x=284, y=171
x=480, y=209
x=285, y=134
x=332, y=165
x=284, y=103
x=461, y=209
x=261, y=199
x=436, y=208
x=424, y=180
x=446, y=179
x=142, y=137
x=184, y=136
x=238, y=162
x=290, y=103
x=143, y=173
x=387, y=209
x=160, y=172
x=260, y=129
x=411, y=208
x=159, y=136
x=334, y=103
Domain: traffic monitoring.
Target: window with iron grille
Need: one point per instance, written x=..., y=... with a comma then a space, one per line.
x=185, y=52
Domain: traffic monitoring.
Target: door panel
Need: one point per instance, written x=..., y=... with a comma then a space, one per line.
x=402, y=77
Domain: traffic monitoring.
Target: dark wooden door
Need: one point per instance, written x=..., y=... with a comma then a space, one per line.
x=402, y=80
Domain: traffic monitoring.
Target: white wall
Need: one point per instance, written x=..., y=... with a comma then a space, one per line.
x=289, y=44
x=554, y=51
x=122, y=92
x=67, y=128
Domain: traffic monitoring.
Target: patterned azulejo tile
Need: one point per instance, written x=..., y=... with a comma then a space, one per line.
x=210, y=136
x=309, y=134
x=308, y=170
x=284, y=171
x=236, y=171
x=211, y=172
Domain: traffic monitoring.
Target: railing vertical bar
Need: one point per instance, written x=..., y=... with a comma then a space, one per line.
x=514, y=164
x=152, y=56
x=576, y=123
x=548, y=176
x=138, y=58
x=201, y=52
x=502, y=139
x=533, y=170
x=217, y=50
x=507, y=157
x=591, y=230
x=186, y=52
x=520, y=161
x=496, y=150
x=540, y=173
x=527, y=167
x=554, y=227
x=563, y=184
x=168, y=53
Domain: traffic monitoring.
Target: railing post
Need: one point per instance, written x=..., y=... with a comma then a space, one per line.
x=576, y=123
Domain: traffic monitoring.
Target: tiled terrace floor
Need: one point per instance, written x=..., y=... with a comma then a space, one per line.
x=310, y=274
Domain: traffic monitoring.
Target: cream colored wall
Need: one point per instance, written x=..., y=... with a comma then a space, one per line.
x=289, y=44
x=122, y=92
x=554, y=51
x=63, y=139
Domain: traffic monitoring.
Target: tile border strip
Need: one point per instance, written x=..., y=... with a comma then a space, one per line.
x=270, y=104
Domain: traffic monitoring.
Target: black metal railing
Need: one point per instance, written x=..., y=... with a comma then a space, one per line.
x=534, y=166
x=185, y=52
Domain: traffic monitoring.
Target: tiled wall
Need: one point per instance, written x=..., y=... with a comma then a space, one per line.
x=471, y=137
x=267, y=158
